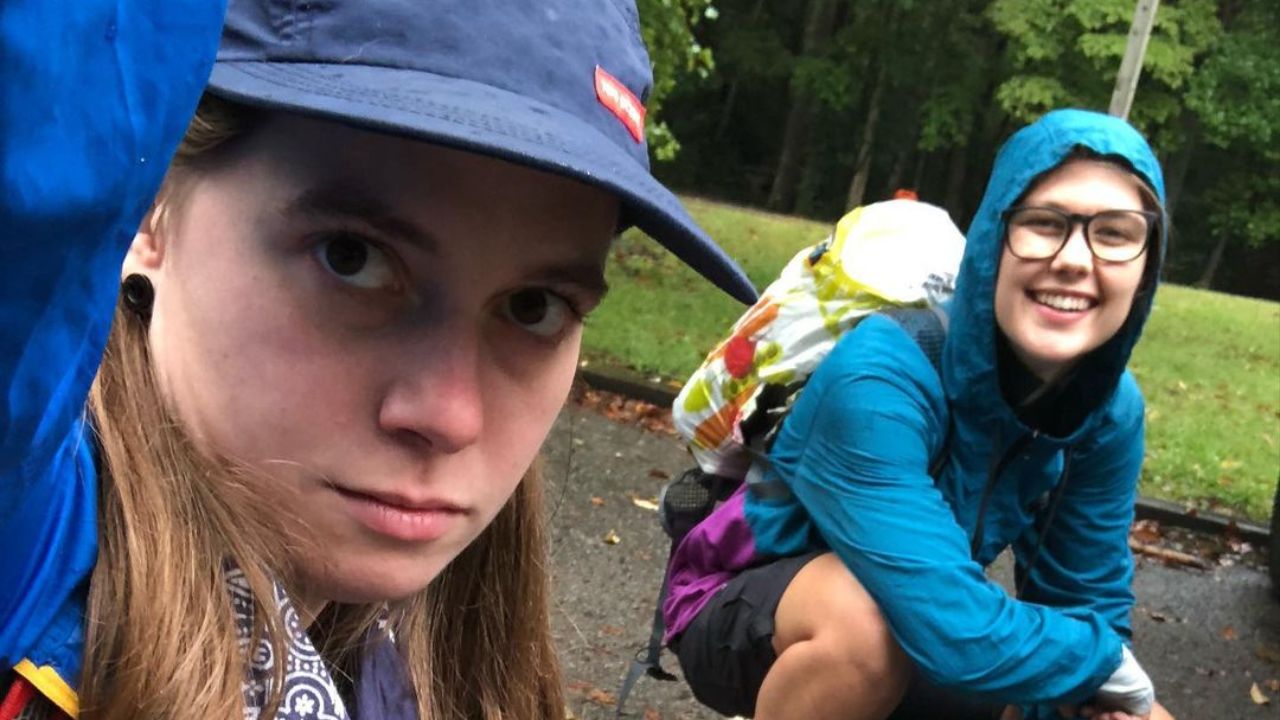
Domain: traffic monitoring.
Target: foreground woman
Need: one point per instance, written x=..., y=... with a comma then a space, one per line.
x=338, y=335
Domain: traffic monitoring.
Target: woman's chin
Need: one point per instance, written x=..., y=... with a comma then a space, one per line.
x=370, y=580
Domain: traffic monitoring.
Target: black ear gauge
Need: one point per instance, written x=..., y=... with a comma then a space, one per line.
x=138, y=295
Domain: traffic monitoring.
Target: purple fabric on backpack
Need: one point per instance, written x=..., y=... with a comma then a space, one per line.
x=713, y=552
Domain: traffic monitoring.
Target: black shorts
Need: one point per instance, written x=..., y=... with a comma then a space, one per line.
x=727, y=650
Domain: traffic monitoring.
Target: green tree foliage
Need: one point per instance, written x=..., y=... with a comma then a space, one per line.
x=813, y=102
x=1065, y=53
x=1235, y=97
x=668, y=28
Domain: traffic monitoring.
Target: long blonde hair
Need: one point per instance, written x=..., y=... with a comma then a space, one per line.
x=161, y=633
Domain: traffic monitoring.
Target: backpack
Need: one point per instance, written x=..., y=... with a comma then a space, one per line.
x=893, y=254
x=897, y=258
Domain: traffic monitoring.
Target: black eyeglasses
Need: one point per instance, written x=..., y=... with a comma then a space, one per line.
x=1039, y=233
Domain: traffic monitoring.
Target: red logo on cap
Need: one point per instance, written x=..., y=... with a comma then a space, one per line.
x=621, y=102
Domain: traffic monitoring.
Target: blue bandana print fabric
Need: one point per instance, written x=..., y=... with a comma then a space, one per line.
x=309, y=691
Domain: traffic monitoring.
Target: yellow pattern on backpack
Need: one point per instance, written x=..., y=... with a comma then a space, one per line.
x=893, y=253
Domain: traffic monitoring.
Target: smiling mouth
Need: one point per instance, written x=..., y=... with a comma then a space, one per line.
x=1062, y=302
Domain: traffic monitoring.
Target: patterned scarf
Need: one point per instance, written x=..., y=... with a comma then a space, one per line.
x=382, y=692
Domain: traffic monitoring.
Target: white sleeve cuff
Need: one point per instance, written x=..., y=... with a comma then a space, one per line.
x=1128, y=689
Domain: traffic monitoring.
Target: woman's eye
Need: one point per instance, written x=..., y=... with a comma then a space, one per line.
x=1120, y=230
x=539, y=311
x=1113, y=235
x=1045, y=225
x=357, y=262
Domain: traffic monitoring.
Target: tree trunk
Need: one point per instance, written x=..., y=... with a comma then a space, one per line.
x=957, y=173
x=897, y=172
x=1176, y=178
x=783, y=192
x=726, y=112
x=862, y=166
x=1211, y=267
x=922, y=164
x=1180, y=164
x=817, y=30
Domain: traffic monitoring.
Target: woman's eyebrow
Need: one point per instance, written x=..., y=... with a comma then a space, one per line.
x=345, y=202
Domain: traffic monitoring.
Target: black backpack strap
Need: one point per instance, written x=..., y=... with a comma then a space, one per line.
x=648, y=660
x=927, y=326
x=682, y=504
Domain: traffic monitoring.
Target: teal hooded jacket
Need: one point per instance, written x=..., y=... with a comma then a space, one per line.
x=856, y=450
x=94, y=98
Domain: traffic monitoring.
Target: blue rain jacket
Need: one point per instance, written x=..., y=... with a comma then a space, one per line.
x=94, y=98
x=857, y=447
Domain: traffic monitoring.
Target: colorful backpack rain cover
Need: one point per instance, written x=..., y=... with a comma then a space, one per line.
x=897, y=253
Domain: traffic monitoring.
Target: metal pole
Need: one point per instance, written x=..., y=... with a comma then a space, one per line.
x=1144, y=17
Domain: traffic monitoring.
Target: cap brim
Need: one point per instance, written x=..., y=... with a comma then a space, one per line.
x=480, y=118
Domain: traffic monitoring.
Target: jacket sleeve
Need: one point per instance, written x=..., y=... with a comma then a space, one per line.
x=1085, y=560
x=855, y=452
x=94, y=97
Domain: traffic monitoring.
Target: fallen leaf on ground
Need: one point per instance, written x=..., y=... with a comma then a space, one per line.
x=1229, y=633
x=612, y=538
x=579, y=685
x=1259, y=698
x=1146, y=531
x=644, y=503
x=1239, y=547
x=597, y=501
x=651, y=714
x=659, y=474
x=1273, y=685
x=601, y=697
x=611, y=630
x=653, y=418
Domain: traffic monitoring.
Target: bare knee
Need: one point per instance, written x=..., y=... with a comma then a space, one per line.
x=828, y=610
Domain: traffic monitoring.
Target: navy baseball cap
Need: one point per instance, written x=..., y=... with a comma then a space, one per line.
x=558, y=85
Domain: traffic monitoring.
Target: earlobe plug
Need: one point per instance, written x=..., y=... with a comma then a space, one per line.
x=138, y=295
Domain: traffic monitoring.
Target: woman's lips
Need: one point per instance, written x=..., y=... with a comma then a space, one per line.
x=416, y=520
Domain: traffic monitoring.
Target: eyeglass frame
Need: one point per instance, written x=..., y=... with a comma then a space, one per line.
x=1083, y=221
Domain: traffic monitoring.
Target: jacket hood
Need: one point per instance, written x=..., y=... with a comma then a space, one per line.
x=970, y=367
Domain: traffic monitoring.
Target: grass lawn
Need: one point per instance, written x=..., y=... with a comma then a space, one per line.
x=1209, y=364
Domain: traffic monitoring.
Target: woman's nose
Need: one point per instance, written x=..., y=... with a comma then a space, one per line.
x=436, y=398
x=1075, y=254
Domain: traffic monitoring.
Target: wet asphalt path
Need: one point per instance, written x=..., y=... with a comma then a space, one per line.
x=1206, y=637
